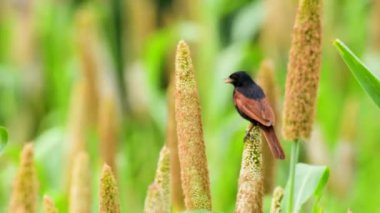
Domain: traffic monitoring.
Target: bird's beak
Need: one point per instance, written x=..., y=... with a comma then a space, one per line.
x=228, y=80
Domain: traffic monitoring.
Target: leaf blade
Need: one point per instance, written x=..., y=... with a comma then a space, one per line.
x=310, y=181
x=367, y=80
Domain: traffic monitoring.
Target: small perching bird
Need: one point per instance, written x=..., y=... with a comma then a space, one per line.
x=251, y=103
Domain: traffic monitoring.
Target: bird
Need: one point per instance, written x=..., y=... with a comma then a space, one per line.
x=251, y=103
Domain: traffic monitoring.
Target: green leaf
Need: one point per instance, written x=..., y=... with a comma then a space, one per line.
x=366, y=78
x=3, y=138
x=309, y=182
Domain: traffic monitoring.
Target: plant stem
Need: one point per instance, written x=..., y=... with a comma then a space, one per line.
x=293, y=162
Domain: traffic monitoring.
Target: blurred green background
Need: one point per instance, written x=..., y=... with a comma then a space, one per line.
x=123, y=50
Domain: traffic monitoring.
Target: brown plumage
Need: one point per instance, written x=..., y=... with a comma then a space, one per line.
x=257, y=110
x=251, y=103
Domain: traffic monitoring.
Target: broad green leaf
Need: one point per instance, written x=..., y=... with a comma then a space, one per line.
x=366, y=79
x=310, y=181
x=3, y=138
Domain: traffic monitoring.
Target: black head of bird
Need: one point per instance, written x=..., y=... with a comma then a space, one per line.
x=244, y=84
x=239, y=79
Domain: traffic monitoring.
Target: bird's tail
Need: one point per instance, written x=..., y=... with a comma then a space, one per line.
x=273, y=143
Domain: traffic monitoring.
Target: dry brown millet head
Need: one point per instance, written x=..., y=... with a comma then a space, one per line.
x=109, y=194
x=251, y=183
x=191, y=147
x=303, y=72
x=80, y=190
x=25, y=192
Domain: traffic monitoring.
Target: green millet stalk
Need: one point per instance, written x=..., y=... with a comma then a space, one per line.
x=303, y=71
x=266, y=79
x=251, y=183
x=49, y=206
x=109, y=194
x=158, y=196
x=80, y=189
x=191, y=147
x=25, y=192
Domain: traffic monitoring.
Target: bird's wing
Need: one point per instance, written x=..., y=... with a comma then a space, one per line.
x=258, y=110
